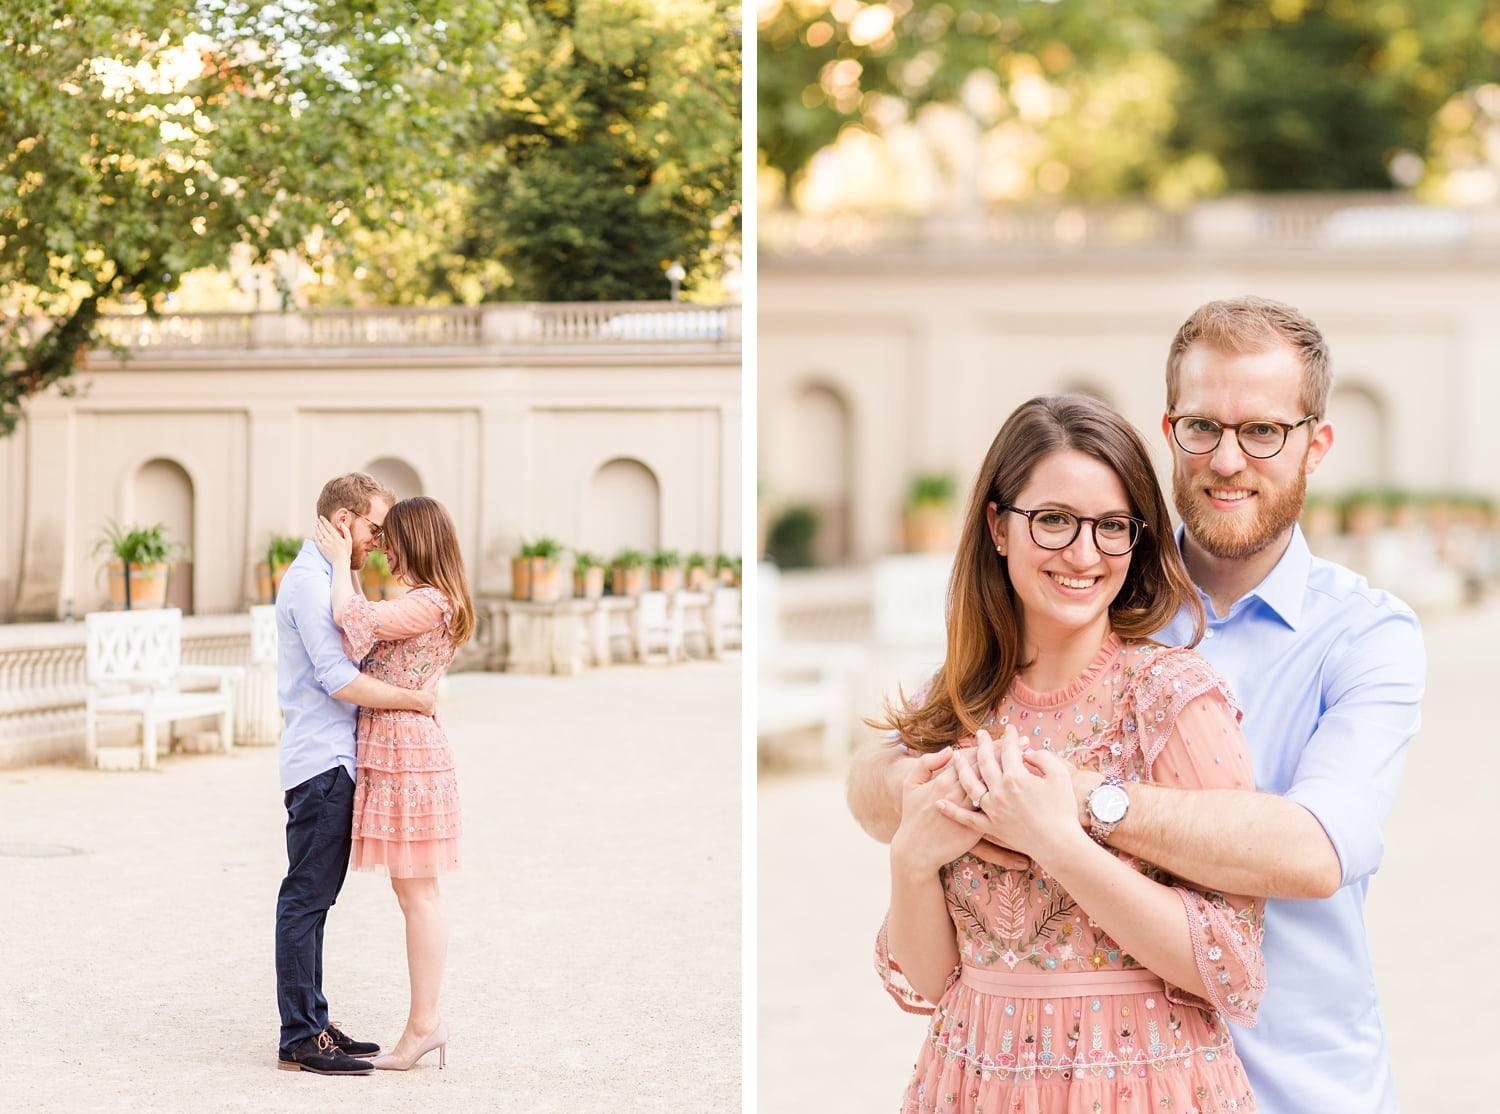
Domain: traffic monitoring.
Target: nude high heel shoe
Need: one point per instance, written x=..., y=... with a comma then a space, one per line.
x=438, y=1039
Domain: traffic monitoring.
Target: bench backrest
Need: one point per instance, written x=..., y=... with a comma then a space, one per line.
x=910, y=595
x=263, y=634
x=135, y=645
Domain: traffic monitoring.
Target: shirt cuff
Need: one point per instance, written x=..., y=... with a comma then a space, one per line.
x=339, y=677
x=1356, y=841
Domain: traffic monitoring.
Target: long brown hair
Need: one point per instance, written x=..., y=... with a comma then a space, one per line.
x=421, y=544
x=984, y=619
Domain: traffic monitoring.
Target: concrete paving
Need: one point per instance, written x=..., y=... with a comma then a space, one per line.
x=595, y=955
x=830, y=1040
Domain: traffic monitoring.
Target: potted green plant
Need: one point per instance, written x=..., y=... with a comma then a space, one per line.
x=280, y=552
x=376, y=579
x=628, y=577
x=792, y=538
x=1365, y=513
x=695, y=569
x=588, y=575
x=546, y=572
x=666, y=570
x=139, y=559
x=927, y=520
x=1321, y=517
x=724, y=569
x=520, y=573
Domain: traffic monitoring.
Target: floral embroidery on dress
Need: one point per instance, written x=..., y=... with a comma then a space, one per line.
x=407, y=816
x=1168, y=1048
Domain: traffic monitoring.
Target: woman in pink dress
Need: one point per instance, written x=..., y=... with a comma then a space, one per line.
x=406, y=809
x=1085, y=980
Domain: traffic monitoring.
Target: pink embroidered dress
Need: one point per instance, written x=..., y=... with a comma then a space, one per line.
x=1045, y=1014
x=406, y=810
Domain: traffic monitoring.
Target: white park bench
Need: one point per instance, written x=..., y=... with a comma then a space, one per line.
x=657, y=628
x=134, y=669
x=801, y=686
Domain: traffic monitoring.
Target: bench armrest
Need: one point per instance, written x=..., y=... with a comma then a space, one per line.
x=223, y=674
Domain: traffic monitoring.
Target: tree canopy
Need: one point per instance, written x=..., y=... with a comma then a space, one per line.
x=607, y=147
x=1088, y=98
x=142, y=138
x=433, y=150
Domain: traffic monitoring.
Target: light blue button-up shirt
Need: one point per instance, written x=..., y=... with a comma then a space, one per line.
x=1329, y=673
x=318, y=731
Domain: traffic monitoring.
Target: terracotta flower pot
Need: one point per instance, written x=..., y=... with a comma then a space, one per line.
x=146, y=587
x=930, y=528
x=268, y=581
x=667, y=579
x=588, y=584
x=520, y=578
x=627, y=581
x=546, y=579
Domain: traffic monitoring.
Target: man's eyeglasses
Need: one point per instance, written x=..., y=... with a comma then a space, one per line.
x=377, y=531
x=1114, y=535
x=1261, y=438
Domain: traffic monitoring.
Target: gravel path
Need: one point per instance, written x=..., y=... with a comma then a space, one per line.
x=594, y=962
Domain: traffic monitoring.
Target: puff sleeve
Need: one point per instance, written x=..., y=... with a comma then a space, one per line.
x=1192, y=740
x=894, y=981
x=366, y=623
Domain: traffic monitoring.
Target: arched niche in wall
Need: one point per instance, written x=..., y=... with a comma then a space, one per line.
x=162, y=491
x=1361, y=438
x=397, y=475
x=824, y=466
x=623, y=509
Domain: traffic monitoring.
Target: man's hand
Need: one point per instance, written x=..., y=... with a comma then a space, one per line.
x=942, y=783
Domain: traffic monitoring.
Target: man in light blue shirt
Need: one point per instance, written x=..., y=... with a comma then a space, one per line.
x=1329, y=673
x=320, y=691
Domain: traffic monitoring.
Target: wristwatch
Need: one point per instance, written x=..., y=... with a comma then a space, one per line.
x=1107, y=805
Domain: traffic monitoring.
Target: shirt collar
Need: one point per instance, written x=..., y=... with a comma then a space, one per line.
x=310, y=546
x=1284, y=588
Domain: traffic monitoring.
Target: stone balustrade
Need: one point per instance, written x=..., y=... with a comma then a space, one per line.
x=1324, y=222
x=504, y=325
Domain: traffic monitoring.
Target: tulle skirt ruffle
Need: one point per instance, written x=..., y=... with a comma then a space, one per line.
x=407, y=819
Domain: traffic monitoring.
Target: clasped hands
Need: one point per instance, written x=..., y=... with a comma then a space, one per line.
x=989, y=799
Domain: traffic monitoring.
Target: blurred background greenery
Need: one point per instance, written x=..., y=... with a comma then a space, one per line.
x=915, y=106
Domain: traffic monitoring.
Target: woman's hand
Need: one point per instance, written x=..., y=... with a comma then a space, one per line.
x=334, y=543
x=928, y=839
x=1022, y=801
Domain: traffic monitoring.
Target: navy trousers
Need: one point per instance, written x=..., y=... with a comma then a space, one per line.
x=319, y=815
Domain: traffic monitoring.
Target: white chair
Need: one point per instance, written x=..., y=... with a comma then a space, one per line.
x=909, y=594
x=725, y=625
x=800, y=686
x=658, y=629
x=258, y=711
x=133, y=668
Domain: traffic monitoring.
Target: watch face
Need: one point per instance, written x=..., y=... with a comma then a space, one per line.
x=1108, y=804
